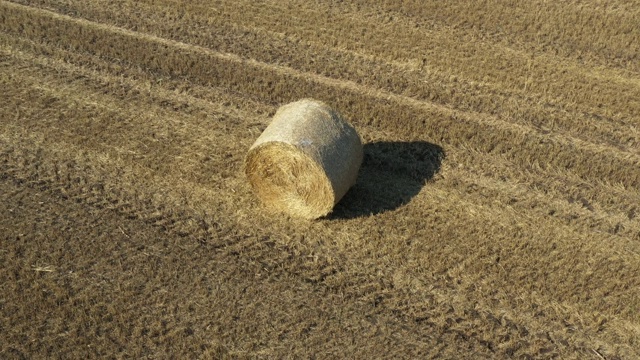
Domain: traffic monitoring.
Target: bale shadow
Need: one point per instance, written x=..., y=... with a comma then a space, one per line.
x=392, y=173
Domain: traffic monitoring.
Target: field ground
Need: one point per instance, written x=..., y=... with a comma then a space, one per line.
x=497, y=212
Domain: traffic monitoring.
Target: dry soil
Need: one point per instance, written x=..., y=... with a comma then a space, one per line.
x=496, y=215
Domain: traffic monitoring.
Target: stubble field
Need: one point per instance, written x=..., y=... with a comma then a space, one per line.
x=496, y=215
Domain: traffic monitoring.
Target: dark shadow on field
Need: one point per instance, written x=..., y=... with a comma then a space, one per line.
x=392, y=173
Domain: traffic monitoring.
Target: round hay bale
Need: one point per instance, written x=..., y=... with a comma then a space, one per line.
x=305, y=160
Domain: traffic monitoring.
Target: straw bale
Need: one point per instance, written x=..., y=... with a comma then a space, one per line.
x=305, y=160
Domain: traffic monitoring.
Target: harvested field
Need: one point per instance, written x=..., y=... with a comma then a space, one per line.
x=496, y=214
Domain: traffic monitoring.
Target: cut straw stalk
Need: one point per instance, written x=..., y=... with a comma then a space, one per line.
x=305, y=160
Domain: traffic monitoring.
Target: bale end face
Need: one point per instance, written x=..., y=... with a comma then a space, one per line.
x=287, y=180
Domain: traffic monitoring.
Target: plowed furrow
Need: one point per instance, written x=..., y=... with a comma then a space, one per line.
x=476, y=227
x=170, y=159
x=577, y=207
x=544, y=113
x=557, y=28
x=486, y=133
x=103, y=179
x=82, y=174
